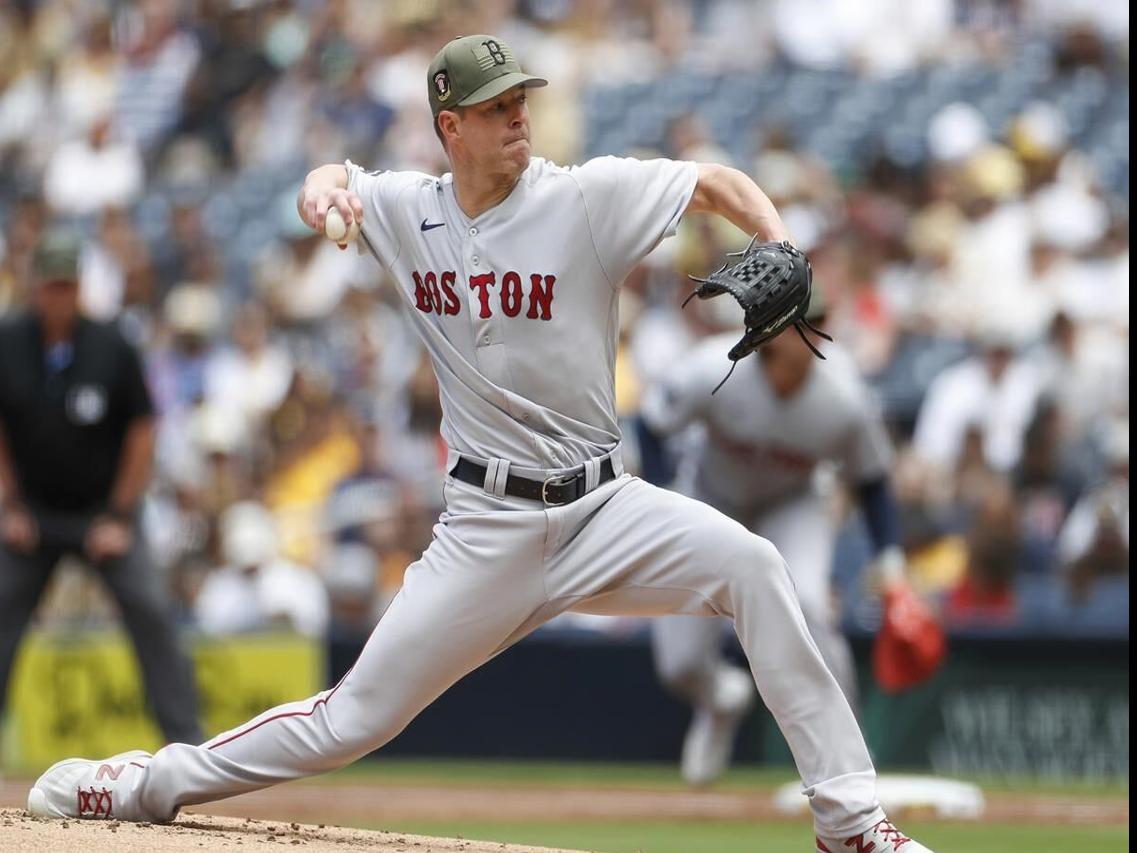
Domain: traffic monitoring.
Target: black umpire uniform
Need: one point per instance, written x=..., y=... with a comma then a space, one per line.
x=76, y=446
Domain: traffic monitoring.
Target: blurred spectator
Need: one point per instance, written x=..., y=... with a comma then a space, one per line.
x=993, y=392
x=115, y=267
x=22, y=231
x=416, y=453
x=956, y=132
x=160, y=58
x=358, y=118
x=88, y=76
x=214, y=464
x=1084, y=371
x=879, y=36
x=232, y=67
x=256, y=589
x=366, y=504
x=191, y=318
x=1044, y=488
x=351, y=576
x=252, y=376
x=313, y=449
x=1094, y=543
x=302, y=282
x=986, y=593
x=1084, y=20
x=371, y=507
x=993, y=243
x=188, y=253
x=87, y=175
x=373, y=350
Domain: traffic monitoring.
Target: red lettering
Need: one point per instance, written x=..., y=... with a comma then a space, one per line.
x=422, y=297
x=511, y=294
x=452, y=304
x=481, y=283
x=434, y=298
x=542, y=296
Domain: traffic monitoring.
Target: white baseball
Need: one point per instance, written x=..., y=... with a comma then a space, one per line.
x=337, y=230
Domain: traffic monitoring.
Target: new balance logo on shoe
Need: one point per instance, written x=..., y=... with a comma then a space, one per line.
x=108, y=770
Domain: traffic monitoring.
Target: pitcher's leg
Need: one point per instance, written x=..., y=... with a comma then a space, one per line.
x=454, y=611
x=803, y=531
x=689, y=558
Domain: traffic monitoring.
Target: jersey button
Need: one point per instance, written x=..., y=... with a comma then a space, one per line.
x=473, y=232
x=475, y=260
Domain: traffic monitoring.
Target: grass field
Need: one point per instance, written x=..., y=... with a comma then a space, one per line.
x=649, y=775
x=721, y=837
x=712, y=836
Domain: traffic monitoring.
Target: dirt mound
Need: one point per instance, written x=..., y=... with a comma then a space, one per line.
x=21, y=833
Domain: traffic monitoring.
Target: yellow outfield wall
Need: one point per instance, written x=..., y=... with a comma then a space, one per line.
x=80, y=694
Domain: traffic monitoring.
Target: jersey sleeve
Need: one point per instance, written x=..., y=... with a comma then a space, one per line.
x=379, y=192
x=682, y=398
x=631, y=205
x=868, y=452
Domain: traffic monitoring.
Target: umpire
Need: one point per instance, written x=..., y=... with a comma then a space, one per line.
x=76, y=444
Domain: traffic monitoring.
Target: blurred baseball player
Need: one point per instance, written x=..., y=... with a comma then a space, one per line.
x=511, y=267
x=763, y=437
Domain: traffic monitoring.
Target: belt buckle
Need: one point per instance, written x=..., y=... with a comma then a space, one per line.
x=561, y=480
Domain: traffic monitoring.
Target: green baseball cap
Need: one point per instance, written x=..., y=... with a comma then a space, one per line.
x=472, y=69
x=56, y=257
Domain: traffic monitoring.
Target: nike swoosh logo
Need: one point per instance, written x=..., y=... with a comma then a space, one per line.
x=425, y=227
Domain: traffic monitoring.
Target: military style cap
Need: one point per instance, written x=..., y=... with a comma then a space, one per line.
x=57, y=256
x=473, y=69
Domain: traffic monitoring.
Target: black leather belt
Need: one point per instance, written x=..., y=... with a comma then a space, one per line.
x=555, y=491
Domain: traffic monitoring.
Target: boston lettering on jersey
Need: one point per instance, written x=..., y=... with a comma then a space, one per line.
x=435, y=293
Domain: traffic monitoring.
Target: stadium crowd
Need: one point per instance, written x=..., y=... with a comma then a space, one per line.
x=964, y=202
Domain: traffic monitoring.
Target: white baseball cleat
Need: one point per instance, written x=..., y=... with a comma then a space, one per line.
x=95, y=790
x=881, y=838
x=710, y=739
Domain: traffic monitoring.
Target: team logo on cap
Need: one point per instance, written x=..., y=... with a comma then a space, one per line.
x=496, y=53
x=442, y=85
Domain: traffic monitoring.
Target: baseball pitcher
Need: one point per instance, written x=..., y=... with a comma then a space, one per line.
x=510, y=267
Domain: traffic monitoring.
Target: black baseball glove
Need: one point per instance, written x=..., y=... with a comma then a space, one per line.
x=773, y=284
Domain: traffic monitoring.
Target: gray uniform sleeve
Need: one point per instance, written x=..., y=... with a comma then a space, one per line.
x=684, y=396
x=868, y=451
x=379, y=193
x=631, y=205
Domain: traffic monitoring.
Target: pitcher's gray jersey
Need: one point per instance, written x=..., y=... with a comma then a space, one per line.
x=756, y=450
x=507, y=303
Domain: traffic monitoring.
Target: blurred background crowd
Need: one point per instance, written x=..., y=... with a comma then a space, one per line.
x=957, y=170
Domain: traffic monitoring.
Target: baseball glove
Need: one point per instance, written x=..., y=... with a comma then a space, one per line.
x=773, y=283
x=910, y=646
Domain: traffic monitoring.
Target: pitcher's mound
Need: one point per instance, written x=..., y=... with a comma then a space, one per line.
x=22, y=833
